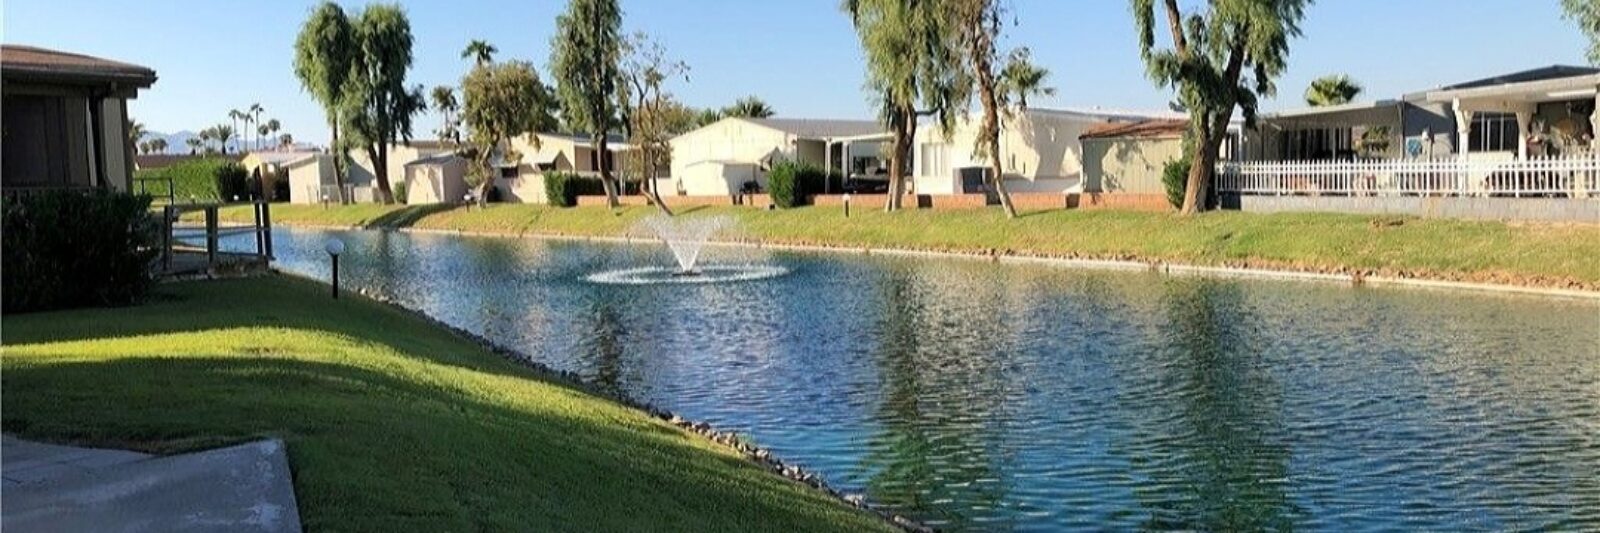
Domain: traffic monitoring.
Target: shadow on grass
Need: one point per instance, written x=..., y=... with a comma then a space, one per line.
x=408, y=215
x=375, y=450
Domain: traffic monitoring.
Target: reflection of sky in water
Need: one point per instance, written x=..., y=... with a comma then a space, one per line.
x=982, y=396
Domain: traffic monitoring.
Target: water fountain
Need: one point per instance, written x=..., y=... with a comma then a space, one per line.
x=687, y=238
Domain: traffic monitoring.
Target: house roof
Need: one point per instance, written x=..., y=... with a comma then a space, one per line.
x=1535, y=74
x=1144, y=129
x=1108, y=113
x=435, y=159
x=819, y=128
x=42, y=64
x=279, y=158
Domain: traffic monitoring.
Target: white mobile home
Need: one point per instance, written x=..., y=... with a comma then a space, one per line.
x=722, y=157
x=437, y=179
x=1039, y=148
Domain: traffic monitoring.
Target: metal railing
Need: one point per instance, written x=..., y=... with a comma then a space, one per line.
x=1571, y=176
x=172, y=231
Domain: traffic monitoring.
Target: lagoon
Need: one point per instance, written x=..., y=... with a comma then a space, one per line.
x=979, y=396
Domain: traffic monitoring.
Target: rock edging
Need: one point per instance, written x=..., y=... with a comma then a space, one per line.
x=761, y=457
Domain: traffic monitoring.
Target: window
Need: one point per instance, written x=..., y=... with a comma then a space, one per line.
x=509, y=173
x=934, y=159
x=1493, y=132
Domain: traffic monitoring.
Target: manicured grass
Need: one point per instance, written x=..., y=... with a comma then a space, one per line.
x=393, y=424
x=1528, y=254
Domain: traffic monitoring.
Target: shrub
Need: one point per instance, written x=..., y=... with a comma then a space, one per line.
x=203, y=180
x=790, y=183
x=69, y=249
x=400, y=191
x=1175, y=176
x=559, y=189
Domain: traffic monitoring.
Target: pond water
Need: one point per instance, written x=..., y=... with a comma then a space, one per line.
x=977, y=396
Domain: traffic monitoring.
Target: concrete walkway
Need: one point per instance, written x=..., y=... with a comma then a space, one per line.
x=63, y=488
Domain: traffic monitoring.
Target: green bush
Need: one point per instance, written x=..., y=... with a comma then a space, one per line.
x=790, y=183
x=562, y=189
x=69, y=249
x=201, y=180
x=1175, y=177
x=400, y=191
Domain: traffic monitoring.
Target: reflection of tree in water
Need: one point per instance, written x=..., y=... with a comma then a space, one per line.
x=933, y=457
x=603, y=346
x=1212, y=449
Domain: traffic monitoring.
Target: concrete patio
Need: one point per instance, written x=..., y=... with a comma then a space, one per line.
x=63, y=488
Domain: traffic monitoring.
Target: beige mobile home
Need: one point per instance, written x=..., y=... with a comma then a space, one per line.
x=311, y=179
x=437, y=179
x=1129, y=157
x=523, y=181
x=722, y=157
x=66, y=119
x=1039, y=148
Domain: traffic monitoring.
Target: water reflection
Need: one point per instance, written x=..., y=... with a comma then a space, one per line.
x=989, y=397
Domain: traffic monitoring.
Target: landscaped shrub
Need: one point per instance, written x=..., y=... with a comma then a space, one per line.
x=1175, y=176
x=789, y=183
x=201, y=180
x=400, y=191
x=69, y=249
x=558, y=189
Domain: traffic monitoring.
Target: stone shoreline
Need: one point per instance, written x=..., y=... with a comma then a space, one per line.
x=760, y=456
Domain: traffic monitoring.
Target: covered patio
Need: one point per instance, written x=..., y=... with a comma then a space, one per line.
x=855, y=157
x=1540, y=118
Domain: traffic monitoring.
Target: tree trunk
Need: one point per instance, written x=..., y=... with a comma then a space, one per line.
x=338, y=163
x=380, y=164
x=904, y=125
x=599, y=146
x=991, y=121
x=648, y=170
x=1196, y=191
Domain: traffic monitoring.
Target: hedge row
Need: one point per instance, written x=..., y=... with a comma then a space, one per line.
x=562, y=189
x=200, y=180
x=69, y=249
x=790, y=183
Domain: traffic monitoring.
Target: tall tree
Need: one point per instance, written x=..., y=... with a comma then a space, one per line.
x=158, y=145
x=500, y=101
x=444, y=101
x=236, y=116
x=1021, y=78
x=323, y=53
x=1586, y=13
x=255, y=111
x=1333, y=89
x=912, y=60
x=222, y=133
x=194, y=144
x=377, y=106
x=1207, y=63
x=272, y=126
x=748, y=107
x=977, y=28
x=585, y=55
x=480, y=51
x=285, y=141
x=645, y=111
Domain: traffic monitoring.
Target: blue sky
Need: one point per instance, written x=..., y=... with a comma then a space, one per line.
x=801, y=56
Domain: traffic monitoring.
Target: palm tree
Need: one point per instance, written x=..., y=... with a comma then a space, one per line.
x=748, y=107
x=223, y=133
x=136, y=131
x=479, y=51
x=255, y=118
x=285, y=141
x=1332, y=90
x=1021, y=78
x=194, y=144
x=272, y=126
x=157, y=145
x=236, y=116
x=444, y=101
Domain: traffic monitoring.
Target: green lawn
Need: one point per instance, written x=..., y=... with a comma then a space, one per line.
x=1530, y=254
x=393, y=424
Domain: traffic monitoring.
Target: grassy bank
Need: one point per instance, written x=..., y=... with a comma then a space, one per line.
x=1494, y=252
x=393, y=424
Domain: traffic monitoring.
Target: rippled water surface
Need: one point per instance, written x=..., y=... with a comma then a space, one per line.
x=978, y=396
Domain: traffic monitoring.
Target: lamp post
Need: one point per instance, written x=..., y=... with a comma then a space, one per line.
x=334, y=248
x=847, y=205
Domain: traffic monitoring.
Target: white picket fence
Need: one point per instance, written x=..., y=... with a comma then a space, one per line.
x=1573, y=176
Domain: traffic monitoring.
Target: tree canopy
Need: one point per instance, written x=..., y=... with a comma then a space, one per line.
x=1021, y=78
x=480, y=51
x=501, y=101
x=323, y=53
x=1586, y=13
x=1333, y=89
x=749, y=107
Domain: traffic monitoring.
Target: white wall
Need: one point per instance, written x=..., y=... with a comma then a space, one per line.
x=363, y=173
x=435, y=183
x=727, y=140
x=306, y=180
x=1039, y=148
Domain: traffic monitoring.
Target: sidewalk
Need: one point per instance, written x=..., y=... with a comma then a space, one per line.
x=63, y=488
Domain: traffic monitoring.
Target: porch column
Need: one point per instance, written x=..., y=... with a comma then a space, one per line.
x=1524, y=123
x=1594, y=123
x=827, y=164
x=1463, y=145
